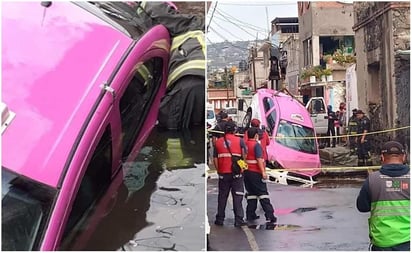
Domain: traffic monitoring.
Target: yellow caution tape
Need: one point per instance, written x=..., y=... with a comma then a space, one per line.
x=324, y=137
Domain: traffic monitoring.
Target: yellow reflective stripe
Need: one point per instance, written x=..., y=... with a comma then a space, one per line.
x=144, y=72
x=199, y=35
x=252, y=197
x=194, y=64
x=141, y=6
x=264, y=197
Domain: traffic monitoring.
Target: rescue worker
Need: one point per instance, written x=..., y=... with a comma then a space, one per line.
x=386, y=194
x=227, y=181
x=220, y=126
x=184, y=101
x=353, y=126
x=254, y=180
x=331, y=127
x=364, y=155
x=264, y=139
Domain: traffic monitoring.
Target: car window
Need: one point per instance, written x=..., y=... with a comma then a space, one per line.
x=271, y=120
x=316, y=106
x=210, y=114
x=295, y=136
x=94, y=183
x=267, y=103
x=136, y=101
x=26, y=206
x=231, y=111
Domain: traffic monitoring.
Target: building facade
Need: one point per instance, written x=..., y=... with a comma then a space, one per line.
x=382, y=36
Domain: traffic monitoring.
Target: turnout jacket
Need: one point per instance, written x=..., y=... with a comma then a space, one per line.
x=386, y=194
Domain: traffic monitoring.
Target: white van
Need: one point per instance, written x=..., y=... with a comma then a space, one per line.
x=210, y=116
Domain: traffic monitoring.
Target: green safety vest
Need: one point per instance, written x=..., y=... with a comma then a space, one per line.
x=389, y=223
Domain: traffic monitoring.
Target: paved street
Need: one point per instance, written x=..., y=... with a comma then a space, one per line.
x=308, y=219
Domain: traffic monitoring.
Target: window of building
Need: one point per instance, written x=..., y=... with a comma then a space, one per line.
x=307, y=52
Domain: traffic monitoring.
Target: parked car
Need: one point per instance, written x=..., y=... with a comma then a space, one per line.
x=319, y=114
x=231, y=113
x=210, y=116
x=81, y=88
x=292, y=143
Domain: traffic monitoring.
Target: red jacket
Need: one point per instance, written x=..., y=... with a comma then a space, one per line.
x=264, y=142
x=251, y=159
x=223, y=155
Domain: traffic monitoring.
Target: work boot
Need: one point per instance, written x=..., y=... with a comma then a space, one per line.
x=240, y=223
x=252, y=217
x=218, y=223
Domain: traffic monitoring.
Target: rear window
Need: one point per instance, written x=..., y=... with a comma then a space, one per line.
x=25, y=208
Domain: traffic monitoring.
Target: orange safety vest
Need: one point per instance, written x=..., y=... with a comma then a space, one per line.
x=223, y=155
x=252, y=163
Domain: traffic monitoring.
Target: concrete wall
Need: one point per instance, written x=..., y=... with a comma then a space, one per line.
x=292, y=46
x=323, y=19
x=381, y=29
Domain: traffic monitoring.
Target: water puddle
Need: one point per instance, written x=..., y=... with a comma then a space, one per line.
x=289, y=227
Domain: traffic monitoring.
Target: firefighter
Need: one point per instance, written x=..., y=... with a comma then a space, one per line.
x=331, y=127
x=364, y=155
x=264, y=139
x=222, y=159
x=386, y=195
x=255, y=177
x=184, y=103
x=353, y=126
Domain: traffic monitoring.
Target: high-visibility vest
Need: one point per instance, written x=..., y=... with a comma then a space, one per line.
x=223, y=155
x=252, y=163
x=389, y=224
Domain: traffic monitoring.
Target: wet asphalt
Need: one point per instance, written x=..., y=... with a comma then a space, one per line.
x=321, y=218
x=157, y=202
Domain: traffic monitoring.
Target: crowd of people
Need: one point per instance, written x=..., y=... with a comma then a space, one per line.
x=385, y=193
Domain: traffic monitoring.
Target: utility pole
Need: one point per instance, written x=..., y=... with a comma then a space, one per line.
x=253, y=66
x=227, y=87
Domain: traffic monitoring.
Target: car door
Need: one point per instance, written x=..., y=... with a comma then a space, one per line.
x=318, y=114
x=125, y=118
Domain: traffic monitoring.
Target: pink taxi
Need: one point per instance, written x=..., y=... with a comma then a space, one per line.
x=292, y=143
x=81, y=87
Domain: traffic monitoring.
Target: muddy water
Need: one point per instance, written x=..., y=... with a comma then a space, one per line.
x=158, y=202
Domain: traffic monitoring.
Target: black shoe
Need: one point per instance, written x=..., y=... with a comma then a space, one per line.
x=240, y=223
x=218, y=223
x=252, y=218
x=272, y=220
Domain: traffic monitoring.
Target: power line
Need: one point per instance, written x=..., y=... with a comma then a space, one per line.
x=224, y=29
x=236, y=26
x=241, y=28
x=240, y=21
x=214, y=9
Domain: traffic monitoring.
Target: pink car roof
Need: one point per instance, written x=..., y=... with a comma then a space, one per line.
x=53, y=62
x=292, y=110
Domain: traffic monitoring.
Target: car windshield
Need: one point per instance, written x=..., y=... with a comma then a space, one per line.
x=210, y=114
x=25, y=208
x=298, y=134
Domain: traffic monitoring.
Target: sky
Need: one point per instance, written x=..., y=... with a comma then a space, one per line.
x=245, y=20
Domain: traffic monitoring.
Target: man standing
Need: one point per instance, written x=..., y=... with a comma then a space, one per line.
x=386, y=194
x=331, y=127
x=225, y=147
x=264, y=139
x=254, y=180
x=353, y=126
x=220, y=126
x=364, y=156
